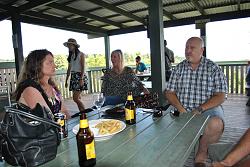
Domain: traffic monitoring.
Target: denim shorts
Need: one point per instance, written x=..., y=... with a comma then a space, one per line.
x=216, y=111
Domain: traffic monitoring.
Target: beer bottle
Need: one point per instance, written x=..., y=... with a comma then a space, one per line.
x=130, y=113
x=85, y=143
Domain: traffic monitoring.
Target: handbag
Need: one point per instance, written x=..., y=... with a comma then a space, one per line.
x=147, y=101
x=27, y=139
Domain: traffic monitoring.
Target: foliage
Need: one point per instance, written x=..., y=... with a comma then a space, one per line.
x=98, y=60
x=178, y=59
x=61, y=62
x=95, y=60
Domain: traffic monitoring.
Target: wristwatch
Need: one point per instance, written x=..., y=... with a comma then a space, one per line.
x=200, y=109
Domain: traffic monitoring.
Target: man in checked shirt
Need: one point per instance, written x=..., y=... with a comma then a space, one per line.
x=199, y=86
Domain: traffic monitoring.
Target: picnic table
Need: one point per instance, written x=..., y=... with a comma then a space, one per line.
x=165, y=141
x=144, y=76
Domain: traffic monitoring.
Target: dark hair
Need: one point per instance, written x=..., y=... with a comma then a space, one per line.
x=71, y=53
x=32, y=67
x=138, y=58
x=33, y=64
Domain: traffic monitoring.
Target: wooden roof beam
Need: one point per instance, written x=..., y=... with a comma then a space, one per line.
x=63, y=22
x=85, y=14
x=198, y=7
x=238, y=5
x=187, y=21
x=34, y=4
x=30, y=5
x=117, y=10
x=165, y=12
x=52, y=24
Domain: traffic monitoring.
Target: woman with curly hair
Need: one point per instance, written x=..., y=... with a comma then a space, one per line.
x=35, y=83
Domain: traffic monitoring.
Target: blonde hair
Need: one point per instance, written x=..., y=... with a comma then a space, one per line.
x=119, y=52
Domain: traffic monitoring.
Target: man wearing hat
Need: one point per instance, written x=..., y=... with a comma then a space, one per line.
x=76, y=67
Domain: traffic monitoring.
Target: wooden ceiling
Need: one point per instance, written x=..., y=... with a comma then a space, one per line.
x=113, y=17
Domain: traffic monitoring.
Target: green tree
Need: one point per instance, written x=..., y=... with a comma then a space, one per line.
x=61, y=62
x=95, y=60
x=178, y=59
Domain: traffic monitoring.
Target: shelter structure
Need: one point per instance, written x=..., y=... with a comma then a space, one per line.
x=104, y=18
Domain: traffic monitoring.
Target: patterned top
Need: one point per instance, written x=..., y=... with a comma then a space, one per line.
x=120, y=84
x=195, y=87
x=56, y=101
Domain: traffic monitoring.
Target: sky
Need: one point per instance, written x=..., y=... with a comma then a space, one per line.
x=226, y=40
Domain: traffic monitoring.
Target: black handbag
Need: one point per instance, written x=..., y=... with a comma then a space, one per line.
x=147, y=100
x=27, y=139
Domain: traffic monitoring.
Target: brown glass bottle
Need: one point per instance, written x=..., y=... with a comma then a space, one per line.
x=130, y=113
x=85, y=143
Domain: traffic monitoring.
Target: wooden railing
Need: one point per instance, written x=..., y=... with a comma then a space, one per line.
x=235, y=74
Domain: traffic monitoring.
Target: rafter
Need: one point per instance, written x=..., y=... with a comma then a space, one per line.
x=34, y=4
x=117, y=10
x=114, y=4
x=238, y=5
x=30, y=5
x=84, y=14
x=52, y=24
x=165, y=12
x=62, y=21
x=4, y=16
x=198, y=7
x=79, y=19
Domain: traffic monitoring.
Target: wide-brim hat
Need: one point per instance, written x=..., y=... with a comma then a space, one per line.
x=71, y=41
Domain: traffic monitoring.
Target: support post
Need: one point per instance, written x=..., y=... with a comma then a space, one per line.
x=17, y=41
x=157, y=47
x=107, y=50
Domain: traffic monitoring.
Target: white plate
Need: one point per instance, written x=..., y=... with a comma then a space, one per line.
x=98, y=137
x=144, y=110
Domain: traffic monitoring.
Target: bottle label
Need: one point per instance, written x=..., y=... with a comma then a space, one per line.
x=130, y=97
x=90, y=150
x=84, y=123
x=61, y=122
x=129, y=114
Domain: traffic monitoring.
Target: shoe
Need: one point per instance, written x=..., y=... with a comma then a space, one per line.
x=199, y=164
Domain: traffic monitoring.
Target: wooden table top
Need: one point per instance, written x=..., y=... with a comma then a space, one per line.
x=165, y=141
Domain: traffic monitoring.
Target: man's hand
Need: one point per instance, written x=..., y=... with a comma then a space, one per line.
x=218, y=164
x=195, y=111
x=81, y=82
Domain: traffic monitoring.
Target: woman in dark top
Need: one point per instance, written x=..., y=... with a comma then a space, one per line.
x=35, y=84
x=119, y=80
